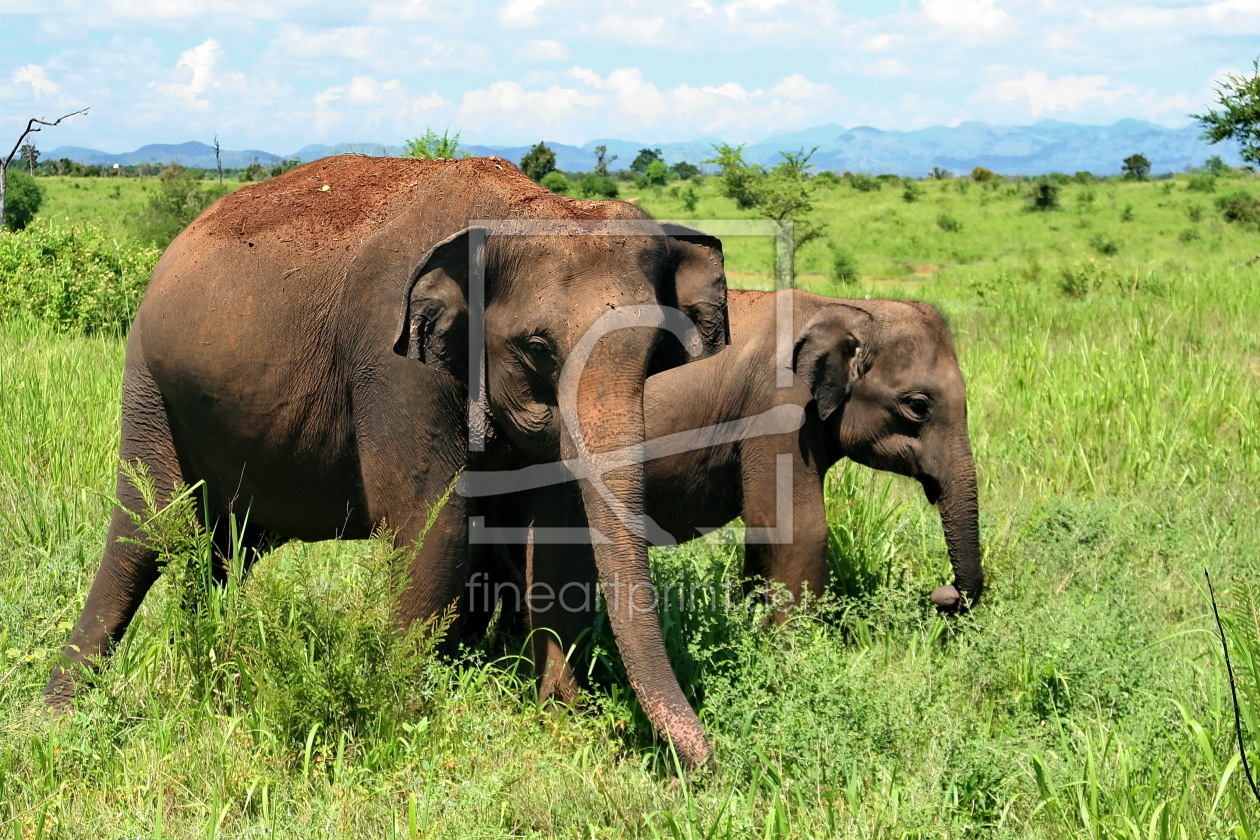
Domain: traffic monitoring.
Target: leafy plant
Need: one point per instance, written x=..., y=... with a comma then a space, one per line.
x=1239, y=115
x=180, y=198
x=690, y=198
x=842, y=268
x=591, y=185
x=431, y=145
x=912, y=193
x=557, y=182
x=863, y=182
x=1240, y=207
x=1043, y=195
x=948, y=223
x=23, y=197
x=1104, y=245
x=73, y=277
x=981, y=175
x=538, y=161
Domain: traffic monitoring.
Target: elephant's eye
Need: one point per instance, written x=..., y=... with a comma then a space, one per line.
x=540, y=355
x=916, y=406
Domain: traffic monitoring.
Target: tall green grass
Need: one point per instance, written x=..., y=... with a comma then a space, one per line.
x=1114, y=420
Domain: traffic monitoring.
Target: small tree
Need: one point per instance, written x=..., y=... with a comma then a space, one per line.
x=784, y=194
x=656, y=175
x=430, y=146
x=591, y=185
x=602, y=160
x=690, y=198
x=538, y=161
x=1043, y=195
x=940, y=174
x=556, y=181
x=644, y=159
x=982, y=176
x=1239, y=117
x=33, y=125
x=685, y=170
x=254, y=172
x=30, y=156
x=24, y=196
x=178, y=201
x=1137, y=167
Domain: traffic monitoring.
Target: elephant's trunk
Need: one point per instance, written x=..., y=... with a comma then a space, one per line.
x=610, y=405
x=960, y=520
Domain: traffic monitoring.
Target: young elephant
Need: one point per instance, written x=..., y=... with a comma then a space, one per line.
x=874, y=381
x=878, y=382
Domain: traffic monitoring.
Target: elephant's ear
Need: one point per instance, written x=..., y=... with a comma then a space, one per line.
x=435, y=307
x=698, y=290
x=828, y=354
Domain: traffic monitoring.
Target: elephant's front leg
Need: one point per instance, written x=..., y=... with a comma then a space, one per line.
x=785, y=543
x=560, y=591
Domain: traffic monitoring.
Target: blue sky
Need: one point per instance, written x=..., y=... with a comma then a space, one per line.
x=279, y=74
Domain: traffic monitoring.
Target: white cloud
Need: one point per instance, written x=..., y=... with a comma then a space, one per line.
x=358, y=42
x=520, y=14
x=507, y=103
x=888, y=68
x=1234, y=17
x=647, y=32
x=373, y=102
x=34, y=75
x=1067, y=93
x=198, y=61
x=882, y=42
x=972, y=20
x=545, y=50
x=403, y=10
x=798, y=87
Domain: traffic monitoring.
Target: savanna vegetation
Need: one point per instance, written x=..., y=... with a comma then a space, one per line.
x=1110, y=334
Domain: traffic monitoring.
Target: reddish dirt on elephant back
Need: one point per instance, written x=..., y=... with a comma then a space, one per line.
x=345, y=196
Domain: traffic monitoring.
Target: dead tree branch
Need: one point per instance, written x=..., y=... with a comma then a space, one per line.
x=35, y=124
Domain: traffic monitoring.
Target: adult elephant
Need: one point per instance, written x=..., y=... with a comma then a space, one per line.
x=303, y=349
x=751, y=433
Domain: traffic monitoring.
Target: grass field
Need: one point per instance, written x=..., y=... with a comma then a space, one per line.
x=1113, y=367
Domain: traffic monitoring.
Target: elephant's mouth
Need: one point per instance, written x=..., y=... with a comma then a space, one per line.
x=931, y=488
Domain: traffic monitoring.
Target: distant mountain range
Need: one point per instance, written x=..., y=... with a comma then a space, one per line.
x=1046, y=146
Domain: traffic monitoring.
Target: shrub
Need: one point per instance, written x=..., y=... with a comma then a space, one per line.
x=1239, y=206
x=1043, y=195
x=1104, y=245
x=685, y=170
x=22, y=199
x=1126, y=215
x=655, y=175
x=73, y=277
x=690, y=198
x=842, y=270
x=595, y=186
x=911, y=193
x=864, y=183
x=948, y=223
x=1079, y=279
x=1189, y=235
x=556, y=181
x=1085, y=177
x=982, y=176
x=1195, y=213
x=538, y=161
x=827, y=178
x=179, y=199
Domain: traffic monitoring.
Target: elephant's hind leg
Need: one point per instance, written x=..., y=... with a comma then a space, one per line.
x=129, y=565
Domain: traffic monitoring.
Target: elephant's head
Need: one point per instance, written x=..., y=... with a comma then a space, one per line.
x=572, y=322
x=887, y=386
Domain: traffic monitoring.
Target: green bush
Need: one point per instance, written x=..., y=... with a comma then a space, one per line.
x=982, y=175
x=655, y=175
x=948, y=223
x=180, y=198
x=74, y=277
x=556, y=181
x=595, y=186
x=1043, y=195
x=911, y=193
x=1240, y=206
x=1104, y=245
x=690, y=198
x=865, y=183
x=842, y=269
x=22, y=199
